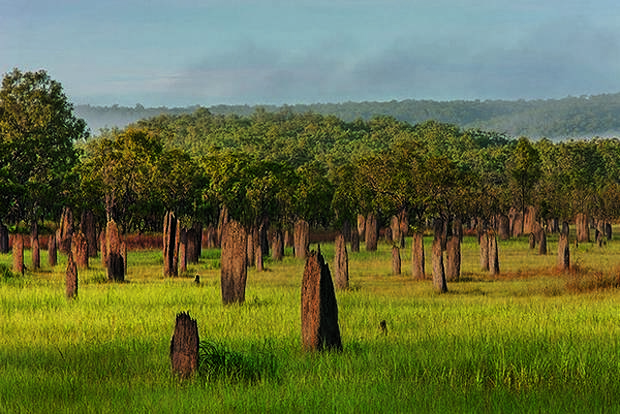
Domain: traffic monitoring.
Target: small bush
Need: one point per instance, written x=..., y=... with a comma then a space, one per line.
x=218, y=362
x=5, y=272
x=97, y=277
x=6, y=276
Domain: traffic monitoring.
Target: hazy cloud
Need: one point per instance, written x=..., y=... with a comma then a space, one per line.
x=248, y=51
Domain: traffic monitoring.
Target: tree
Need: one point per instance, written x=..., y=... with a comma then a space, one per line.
x=38, y=131
x=524, y=170
x=121, y=169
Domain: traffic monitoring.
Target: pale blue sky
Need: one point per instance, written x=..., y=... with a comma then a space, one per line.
x=186, y=52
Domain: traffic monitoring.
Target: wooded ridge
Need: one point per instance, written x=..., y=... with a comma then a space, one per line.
x=570, y=117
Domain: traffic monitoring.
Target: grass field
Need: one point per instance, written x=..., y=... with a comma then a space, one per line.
x=530, y=340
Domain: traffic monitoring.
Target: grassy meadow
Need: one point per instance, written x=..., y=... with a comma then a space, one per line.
x=530, y=340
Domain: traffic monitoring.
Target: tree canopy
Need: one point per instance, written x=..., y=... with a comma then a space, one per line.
x=38, y=132
x=284, y=165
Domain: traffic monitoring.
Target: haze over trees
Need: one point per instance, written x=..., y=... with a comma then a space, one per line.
x=570, y=117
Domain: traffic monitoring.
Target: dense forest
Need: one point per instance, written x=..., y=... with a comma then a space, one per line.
x=571, y=117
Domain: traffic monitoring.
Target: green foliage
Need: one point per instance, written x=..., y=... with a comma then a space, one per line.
x=219, y=362
x=37, y=134
x=284, y=165
x=5, y=273
x=138, y=179
x=524, y=172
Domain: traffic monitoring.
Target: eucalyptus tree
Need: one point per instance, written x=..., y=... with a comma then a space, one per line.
x=524, y=172
x=122, y=167
x=38, y=131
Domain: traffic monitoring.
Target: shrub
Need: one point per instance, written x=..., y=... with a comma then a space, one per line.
x=6, y=276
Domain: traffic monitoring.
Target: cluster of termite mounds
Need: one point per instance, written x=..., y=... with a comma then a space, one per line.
x=78, y=243
x=320, y=330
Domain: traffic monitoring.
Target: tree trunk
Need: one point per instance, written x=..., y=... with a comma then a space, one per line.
x=608, y=233
x=183, y=243
x=71, y=278
x=221, y=222
x=564, y=249
x=88, y=228
x=289, y=239
x=258, y=250
x=355, y=241
x=599, y=234
x=493, y=254
x=277, y=245
x=583, y=230
x=319, y=309
x=184, y=346
x=211, y=237
x=553, y=225
x=396, y=262
x=264, y=237
x=301, y=235
x=417, y=256
x=372, y=231
x=115, y=263
x=516, y=222
x=191, y=243
x=361, y=227
x=18, y=254
x=542, y=241
x=52, y=253
x=249, y=249
x=233, y=262
x=103, y=248
x=198, y=230
x=4, y=239
x=403, y=221
x=439, y=275
x=453, y=259
x=34, y=244
x=341, y=263
x=395, y=229
x=124, y=255
x=170, y=244
x=484, y=250
x=387, y=233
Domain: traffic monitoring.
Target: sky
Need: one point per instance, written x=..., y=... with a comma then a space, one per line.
x=210, y=52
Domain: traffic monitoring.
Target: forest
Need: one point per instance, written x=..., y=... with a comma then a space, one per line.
x=556, y=119
x=284, y=166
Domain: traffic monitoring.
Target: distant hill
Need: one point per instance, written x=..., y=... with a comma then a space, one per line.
x=571, y=117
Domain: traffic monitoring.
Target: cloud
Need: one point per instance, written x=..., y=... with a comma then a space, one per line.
x=547, y=59
x=555, y=60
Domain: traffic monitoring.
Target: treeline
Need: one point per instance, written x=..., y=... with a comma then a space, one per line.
x=571, y=117
x=278, y=169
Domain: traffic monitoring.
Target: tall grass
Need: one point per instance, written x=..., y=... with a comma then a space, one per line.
x=530, y=340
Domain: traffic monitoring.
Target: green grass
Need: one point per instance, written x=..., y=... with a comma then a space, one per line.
x=530, y=340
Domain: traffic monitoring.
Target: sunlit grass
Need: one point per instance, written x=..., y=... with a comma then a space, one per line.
x=531, y=339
